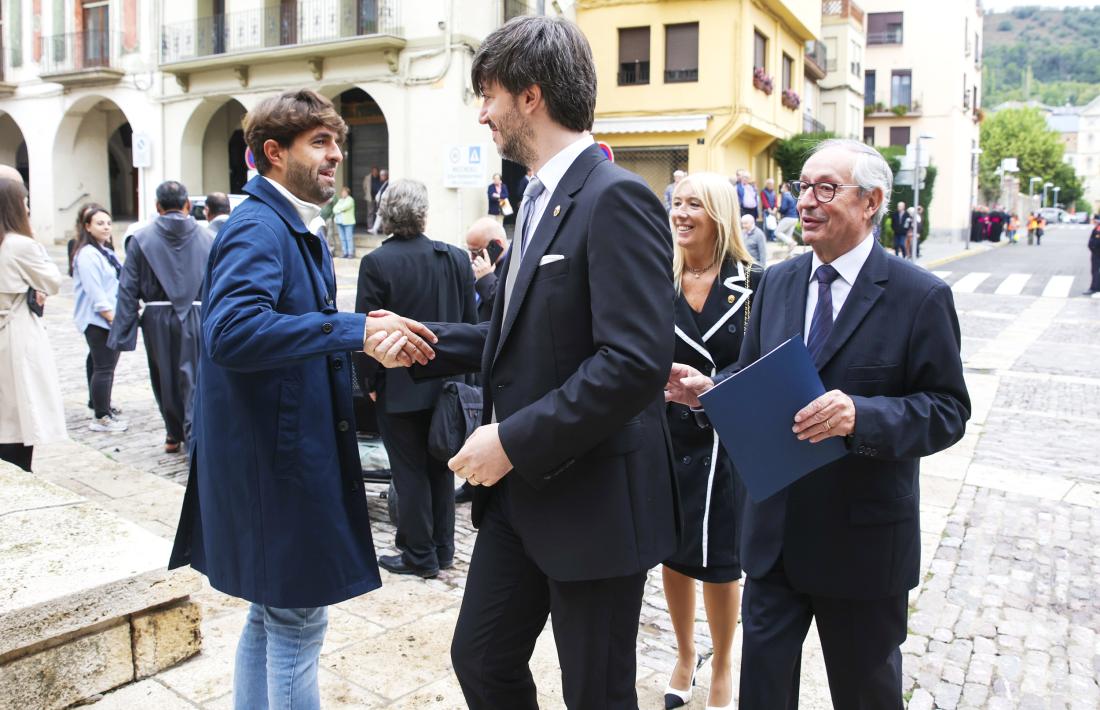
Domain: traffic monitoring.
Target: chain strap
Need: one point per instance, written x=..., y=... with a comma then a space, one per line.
x=748, y=301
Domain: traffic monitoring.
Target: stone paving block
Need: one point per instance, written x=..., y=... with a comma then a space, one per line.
x=148, y=694
x=400, y=601
x=62, y=675
x=208, y=675
x=165, y=636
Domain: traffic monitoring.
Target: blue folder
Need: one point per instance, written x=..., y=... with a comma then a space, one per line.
x=753, y=413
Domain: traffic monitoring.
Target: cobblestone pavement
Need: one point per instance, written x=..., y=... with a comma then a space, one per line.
x=1006, y=615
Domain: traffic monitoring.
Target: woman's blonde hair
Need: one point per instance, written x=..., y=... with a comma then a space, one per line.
x=719, y=198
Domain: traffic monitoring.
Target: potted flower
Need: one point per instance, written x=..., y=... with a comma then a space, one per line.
x=761, y=81
x=790, y=99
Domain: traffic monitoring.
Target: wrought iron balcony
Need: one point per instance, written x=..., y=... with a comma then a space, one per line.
x=811, y=124
x=636, y=73
x=679, y=76
x=894, y=36
x=817, y=58
x=81, y=57
x=306, y=23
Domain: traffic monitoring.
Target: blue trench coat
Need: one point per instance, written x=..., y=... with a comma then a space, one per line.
x=275, y=511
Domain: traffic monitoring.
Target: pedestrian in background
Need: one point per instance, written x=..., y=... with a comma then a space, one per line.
x=378, y=194
x=31, y=410
x=755, y=241
x=747, y=197
x=788, y=217
x=769, y=204
x=1013, y=227
x=498, y=195
x=1040, y=227
x=165, y=264
x=677, y=176
x=426, y=280
x=900, y=224
x=95, y=288
x=715, y=278
x=217, y=207
x=343, y=213
x=1094, y=256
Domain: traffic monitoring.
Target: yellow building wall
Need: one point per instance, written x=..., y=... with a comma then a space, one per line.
x=744, y=121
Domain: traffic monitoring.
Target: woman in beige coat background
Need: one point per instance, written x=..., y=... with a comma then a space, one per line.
x=31, y=411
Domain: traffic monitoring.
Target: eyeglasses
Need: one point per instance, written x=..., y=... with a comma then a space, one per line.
x=823, y=191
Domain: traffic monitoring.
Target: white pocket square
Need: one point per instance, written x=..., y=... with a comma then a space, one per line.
x=550, y=259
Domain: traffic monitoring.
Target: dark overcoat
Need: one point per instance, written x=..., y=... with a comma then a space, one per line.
x=275, y=510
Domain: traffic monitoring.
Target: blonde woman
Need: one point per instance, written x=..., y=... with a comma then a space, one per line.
x=31, y=411
x=715, y=278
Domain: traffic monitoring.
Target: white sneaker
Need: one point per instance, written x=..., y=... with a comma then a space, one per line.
x=107, y=423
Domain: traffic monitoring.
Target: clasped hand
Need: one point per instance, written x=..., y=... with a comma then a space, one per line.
x=482, y=460
x=395, y=341
x=831, y=414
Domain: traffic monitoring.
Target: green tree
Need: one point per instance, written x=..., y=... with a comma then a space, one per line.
x=791, y=153
x=1022, y=134
x=1066, y=178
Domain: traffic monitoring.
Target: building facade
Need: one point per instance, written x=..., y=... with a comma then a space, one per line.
x=104, y=99
x=696, y=84
x=922, y=76
x=1080, y=131
x=843, y=37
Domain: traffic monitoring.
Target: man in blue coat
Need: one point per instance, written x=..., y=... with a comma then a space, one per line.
x=275, y=510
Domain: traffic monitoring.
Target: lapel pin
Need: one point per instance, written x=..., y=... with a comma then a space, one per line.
x=557, y=210
x=730, y=299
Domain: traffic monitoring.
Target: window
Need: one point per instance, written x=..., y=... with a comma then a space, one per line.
x=682, y=52
x=966, y=94
x=96, y=40
x=869, y=88
x=830, y=54
x=759, y=51
x=869, y=135
x=633, y=55
x=788, y=71
x=856, y=63
x=966, y=34
x=885, y=28
x=899, y=135
x=901, y=88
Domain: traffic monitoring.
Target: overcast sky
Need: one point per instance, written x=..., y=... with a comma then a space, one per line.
x=1002, y=5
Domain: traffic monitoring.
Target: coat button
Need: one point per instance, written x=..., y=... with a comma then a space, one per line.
x=706, y=461
x=684, y=414
x=337, y=364
x=326, y=328
x=328, y=301
x=733, y=329
x=686, y=460
x=342, y=425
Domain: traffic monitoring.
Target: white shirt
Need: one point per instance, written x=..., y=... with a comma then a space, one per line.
x=307, y=211
x=551, y=174
x=848, y=266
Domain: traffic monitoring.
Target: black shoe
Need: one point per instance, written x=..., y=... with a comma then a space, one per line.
x=464, y=493
x=447, y=564
x=396, y=564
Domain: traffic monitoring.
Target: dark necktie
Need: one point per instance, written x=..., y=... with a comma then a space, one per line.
x=822, y=323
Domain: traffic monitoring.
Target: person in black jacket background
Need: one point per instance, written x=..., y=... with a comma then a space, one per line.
x=487, y=242
x=1094, y=255
x=417, y=277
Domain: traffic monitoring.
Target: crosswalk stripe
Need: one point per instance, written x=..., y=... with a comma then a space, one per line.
x=970, y=282
x=1058, y=287
x=942, y=275
x=1013, y=285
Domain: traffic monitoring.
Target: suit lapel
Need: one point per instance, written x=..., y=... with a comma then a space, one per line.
x=728, y=298
x=687, y=330
x=557, y=209
x=799, y=280
x=865, y=291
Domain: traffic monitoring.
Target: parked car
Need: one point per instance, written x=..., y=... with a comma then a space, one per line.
x=1053, y=214
x=1079, y=218
x=198, y=205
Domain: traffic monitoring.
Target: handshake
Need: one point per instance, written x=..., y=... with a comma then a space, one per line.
x=395, y=341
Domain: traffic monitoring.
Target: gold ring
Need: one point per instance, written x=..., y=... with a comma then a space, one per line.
x=828, y=426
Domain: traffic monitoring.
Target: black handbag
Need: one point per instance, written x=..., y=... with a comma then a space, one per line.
x=32, y=302
x=457, y=413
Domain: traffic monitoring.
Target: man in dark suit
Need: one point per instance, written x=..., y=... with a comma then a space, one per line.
x=575, y=498
x=842, y=544
x=901, y=222
x=487, y=242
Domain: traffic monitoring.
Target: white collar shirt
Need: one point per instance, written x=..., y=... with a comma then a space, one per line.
x=551, y=174
x=308, y=212
x=848, y=266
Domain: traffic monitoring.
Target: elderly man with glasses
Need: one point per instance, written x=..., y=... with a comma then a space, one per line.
x=842, y=544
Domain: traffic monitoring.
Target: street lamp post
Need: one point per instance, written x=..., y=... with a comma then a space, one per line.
x=974, y=153
x=1056, y=191
x=1031, y=192
x=916, y=193
x=1046, y=186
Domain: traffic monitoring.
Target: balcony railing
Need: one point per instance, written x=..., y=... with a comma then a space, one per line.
x=887, y=37
x=817, y=54
x=307, y=22
x=638, y=73
x=678, y=76
x=842, y=8
x=811, y=124
x=79, y=51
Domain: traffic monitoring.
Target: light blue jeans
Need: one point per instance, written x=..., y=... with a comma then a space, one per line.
x=277, y=659
x=347, y=239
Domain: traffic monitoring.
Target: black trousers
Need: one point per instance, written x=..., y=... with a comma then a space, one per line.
x=101, y=374
x=860, y=640
x=425, y=491
x=504, y=609
x=17, y=454
x=1095, y=259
